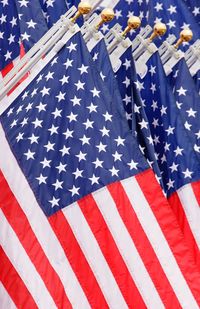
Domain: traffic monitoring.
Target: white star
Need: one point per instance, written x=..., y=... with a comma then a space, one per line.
x=181, y=91
x=11, y=39
x=14, y=123
x=170, y=130
x=114, y=171
x=187, y=126
x=41, y=179
x=13, y=22
x=127, y=64
x=196, y=11
x=68, y=63
x=198, y=134
x=29, y=155
x=19, y=137
x=57, y=113
x=155, y=122
x=37, y=123
x=95, y=92
x=64, y=150
x=7, y=55
x=178, y=151
x=153, y=88
x=154, y=105
x=171, y=24
x=61, y=167
x=117, y=156
x=127, y=99
x=126, y=82
x=152, y=70
x=163, y=110
x=158, y=7
x=74, y=190
x=83, y=69
x=72, y=117
x=101, y=147
x=92, y=108
x=108, y=117
x=166, y=147
x=133, y=165
x=88, y=124
x=85, y=140
x=45, y=91
x=98, y=163
x=81, y=156
x=34, y=139
x=187, y=173
x=94, y=180
x=41, y=107
x=104, y=131
x=170, y=184
x=78, y=173
x=23, y=3
x=80, y=85
x=31, y=24
x=24, y=122
x=139, y=85
x=174, y=167
x=76, y=101
x=64, y=79
x=54, y=202
x=61, y=96
x=25, y=36
x=172, y=9
x=49, y=75
x=191, y=113
x=3, y=18
x=72, y=47
x=46, y=163
x=58, y=185
x=53, y=130
x=120, y=141
x=49, y=146
x=68, y=133
x=143, y=124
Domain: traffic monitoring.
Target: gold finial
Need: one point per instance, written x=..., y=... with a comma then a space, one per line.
x=158, y=30
x=107, y=15
x=134, y=22
x=185, y=36
x=84, y=7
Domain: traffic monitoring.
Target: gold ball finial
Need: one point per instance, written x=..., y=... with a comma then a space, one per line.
x=186, y=35
x=134, y=23
x=84, y=8
x=107, y=15
x=158, y=30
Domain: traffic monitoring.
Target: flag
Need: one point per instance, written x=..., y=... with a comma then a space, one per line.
x=179, y=163
x=197, y=81
x=194, y=7
x=187, y=100
x=53, y=10
x=83, y=220
x=22, y=25
x=175, y=15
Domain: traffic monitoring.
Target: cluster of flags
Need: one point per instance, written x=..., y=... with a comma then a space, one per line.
x=99, y=165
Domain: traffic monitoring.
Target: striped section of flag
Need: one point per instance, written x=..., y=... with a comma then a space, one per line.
x=97, y=252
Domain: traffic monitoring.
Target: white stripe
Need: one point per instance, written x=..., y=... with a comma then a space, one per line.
x=23, y=265
x=6, y=301
x=127, y=249
x=191, y=209
x=159, y=243
x=94, y=256
x=40, y=225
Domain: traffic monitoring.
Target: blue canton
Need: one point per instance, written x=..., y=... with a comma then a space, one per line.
x=179, y=163
x=194, y=7
x=20, y=21
x=66, y=134
x=197, y=81
x=53, y=10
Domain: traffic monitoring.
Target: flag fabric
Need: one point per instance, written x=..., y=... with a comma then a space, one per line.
x=187, y=100
x=84, y=222
x=22, y=25
x=194, y=7
x=197, y=81
x=179, y=163
x=53, y=10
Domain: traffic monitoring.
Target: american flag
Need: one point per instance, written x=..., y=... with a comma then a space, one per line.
x=194, y=7
x=21, y=25
x=84, y=223
x=53, y=10
x=178, y=162
x=197, y=81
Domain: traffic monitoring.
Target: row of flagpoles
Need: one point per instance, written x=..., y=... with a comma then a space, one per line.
x=154, y=86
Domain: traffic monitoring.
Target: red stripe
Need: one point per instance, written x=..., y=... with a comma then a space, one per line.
x=27, y=238
x=7, y=69
x=77, y=260
x=143, y=246
x=177, y=208
x=14, y=284
x=196, y=190
x=171, y=230
x=111, y=253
